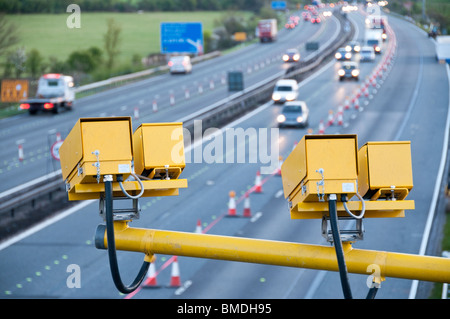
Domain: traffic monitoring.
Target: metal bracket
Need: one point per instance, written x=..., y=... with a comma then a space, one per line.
x=130, y=213
x=321, y=184
x=97, y=164
x=79, y=170
x=347, y=235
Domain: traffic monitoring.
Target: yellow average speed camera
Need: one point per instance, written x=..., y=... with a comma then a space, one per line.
x=321, y=165
x=143, y=163
x=385, y=170
x=159, y=150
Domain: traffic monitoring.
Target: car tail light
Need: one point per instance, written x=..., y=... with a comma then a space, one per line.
x=24, y=106
x=170, y=63
x=48, y=106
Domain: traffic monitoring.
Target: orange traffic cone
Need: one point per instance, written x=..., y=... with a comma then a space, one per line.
x=150, y=281
x=347, y=103
x=175, y=276
x=247, y=212
x=258, y=183
x=21, y=157
x=340, y=119
x=232, y=205
x=321, y=128
x=280, y=162
x=356, y=104
x=330, y=117
x=198, y=228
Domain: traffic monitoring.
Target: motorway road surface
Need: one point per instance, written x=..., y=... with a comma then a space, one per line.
x=411, y=104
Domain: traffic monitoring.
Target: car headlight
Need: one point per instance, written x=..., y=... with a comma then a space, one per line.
x=341, y=72
x=285, y=57
x=355, y=73
x=290, y=97
x=377, y=48
x=348, y=48
x=384, y=36
x=357, y=48
x=300, y=119
x=338, y=55
x=276, y=96
x=296, y=57
x=281, y=118
x=348, y=55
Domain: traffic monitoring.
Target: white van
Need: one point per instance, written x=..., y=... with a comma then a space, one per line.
x=285, y=90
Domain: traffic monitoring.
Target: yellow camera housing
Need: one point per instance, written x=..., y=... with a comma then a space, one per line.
x=159, y=150
x=321, y=165
x=385, y=170
x=96, y=147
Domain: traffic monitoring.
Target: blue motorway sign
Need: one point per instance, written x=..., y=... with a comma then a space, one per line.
x=181, y=37
x=278, y=5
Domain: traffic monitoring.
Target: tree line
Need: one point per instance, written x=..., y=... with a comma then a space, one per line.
x=60, y=6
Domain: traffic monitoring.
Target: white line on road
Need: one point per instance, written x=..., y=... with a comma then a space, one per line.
x=256, y=217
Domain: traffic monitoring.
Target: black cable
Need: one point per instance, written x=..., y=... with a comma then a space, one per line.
x=112, y=248
x=372, y=292
x=338, y=247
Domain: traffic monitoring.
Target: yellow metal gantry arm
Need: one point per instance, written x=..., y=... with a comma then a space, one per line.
x=360, y=261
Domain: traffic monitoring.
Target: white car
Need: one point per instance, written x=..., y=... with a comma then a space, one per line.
x=180, y=64
x=294, y=113
x=367, y=53
x=285, y=90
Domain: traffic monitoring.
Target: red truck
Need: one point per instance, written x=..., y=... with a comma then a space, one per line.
x=267, y=30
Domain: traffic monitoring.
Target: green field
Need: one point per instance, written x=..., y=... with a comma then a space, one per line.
x=49, y=34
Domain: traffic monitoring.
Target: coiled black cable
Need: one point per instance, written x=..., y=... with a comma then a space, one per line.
x=112, y=247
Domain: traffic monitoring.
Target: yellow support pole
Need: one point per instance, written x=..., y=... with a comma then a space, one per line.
x=397, y=265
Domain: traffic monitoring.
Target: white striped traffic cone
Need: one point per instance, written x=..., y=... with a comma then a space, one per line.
x=21, y=157
x=247, y=212
x=232, y=205
x=198, y=228
x=321, y=128
x=280, y=162
x=175, y=275
x=330, y=117
x=340, y=119
x=258, y=183
x=150, y=281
